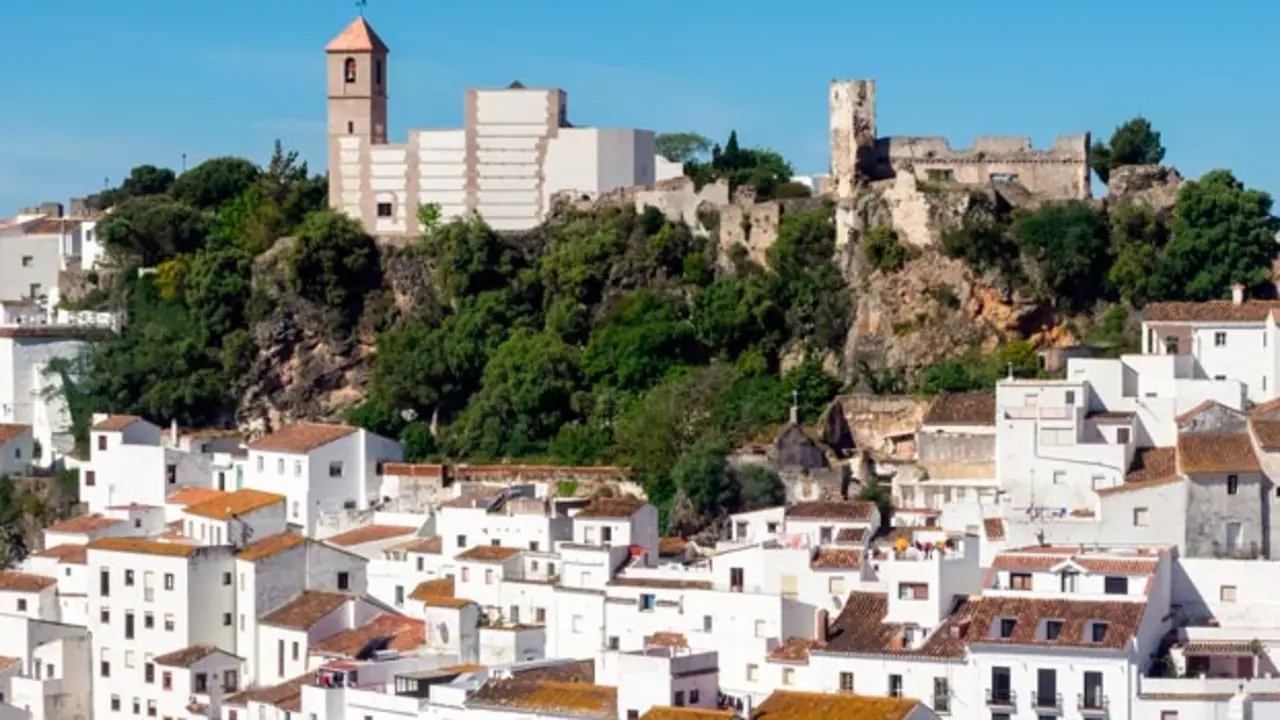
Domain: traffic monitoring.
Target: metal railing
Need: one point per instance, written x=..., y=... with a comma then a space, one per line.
x=1094, y=703
x=1046, y=701
x=1001, y=697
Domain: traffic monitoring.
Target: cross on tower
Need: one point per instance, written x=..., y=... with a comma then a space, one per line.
x=361, y=5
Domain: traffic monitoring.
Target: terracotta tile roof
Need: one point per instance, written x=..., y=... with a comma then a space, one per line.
x=851, y=535
x=488, y=554
x=52, y=226
x=993, y=528
x=186, y=657
x=686, y=713
x=1210, y=311
x=413, y=470
x=15, y=581
x=972, y=408
x=1151, y=467
x=671, y=546
x=1100, y=565
x=368, y=534
x=302, y=437
x=438, y=588
x=613, y=507
x=9, y=431
x=115, y=423
x=143, y=546
x=666, y=639
x=573, y=698
x=1221, y=648
x=835, y=558
x=433, y=545
x=450, y=603
x=860, y=629
x=662, y=583
x=194, y=495
x=396, y=631
x=792, y=705
x=306, y=609
x=1122, y=619
x=270, y=546
x=84, y=524
x=1265, y=421
x=286, y=696
x=358, y=37
x=1210, y=453
x=575, y=671
x=240, y=502
x=67, y=553
x=796, y=650
x=831, y=510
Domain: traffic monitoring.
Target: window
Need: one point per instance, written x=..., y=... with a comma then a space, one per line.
x=149, y=621
x=462, y=541
x=1097, y=632
x=496, y=542
x=707, y=623
x=835, y=585
x=540, y=615
x=149, y=673
x=466, y=574
x=1140, y=517
x=115, y=703
x=1115, y=585
x=168, y=623
x=384, y=209
x=297, y=468
x=128, y=578
x=104, y=616
x=377, y=72
x=825, y=534
x=941, y=695
x=344, y=581
x=151, y=708
x=22, y=604
x=279, y=466
x=753, y=672
x=168, y=581
x=895, y=686
x=201, y=683
x=102, y=442
x=1168, y=715
x=694, y=696
x=1171, y=345
x=137, y=706
x=678, y=699
x=130, y=659
x=913, y=591
x=90, y=478
x=1123, y=435
x=104, y=665
x=488, y=576
x=399, y=596
x=788, y=676
x=1227, y=593
x=648, y=602
x=166, y=680
x=846, y=682
x=226, y=619
x=606, y=534
x=1070, y=581
x=1006, y=627
x=230, y=681
x=1233, y=484
x=940, y=174
x=128, y=628
x=226, y=578
x=351, y=128
x=533, y=545
x=1019, y=581
x=771, y=528
x=335, y=469
x=104, y=582
x=614, y=643
x=349, y=70
x=1052, y=629
x=171, y=473
x=1059, y=477
x=1220, y=339
x=1069, y=398
x=420, y=565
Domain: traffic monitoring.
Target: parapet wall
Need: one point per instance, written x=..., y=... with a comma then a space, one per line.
x=1060, y=172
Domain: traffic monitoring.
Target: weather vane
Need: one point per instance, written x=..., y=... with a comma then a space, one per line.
x=361, y=5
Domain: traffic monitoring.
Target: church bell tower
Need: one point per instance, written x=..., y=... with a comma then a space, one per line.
x=356, y=67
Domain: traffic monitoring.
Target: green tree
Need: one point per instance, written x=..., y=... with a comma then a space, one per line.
x=146, y=180
x=525, y=397
x=701, y=472
x=333, y=263
x=759, y=168
x=737, y=313
x=1223, y=234
x=153, y=228
x=952, y=376
x=808, y=284
x=883, y=250
x=1138, y=238
x=643, y=337
x=419, y=443
x=1133, y=143
x=878, y=491
x=813, y=386
x=759, y=487
x=1067, y=242
x=682, y=147
x=213, y=182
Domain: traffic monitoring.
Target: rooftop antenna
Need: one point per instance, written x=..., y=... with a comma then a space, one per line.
x=184, y=162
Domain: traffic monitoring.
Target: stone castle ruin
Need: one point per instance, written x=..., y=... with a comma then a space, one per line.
x=1007, y=165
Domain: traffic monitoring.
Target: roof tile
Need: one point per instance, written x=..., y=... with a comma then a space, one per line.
x=302, y=437
x=240, y=502
x=67, y=553
x=186, y=657
x=971, y=408
x=306, y=609
x=143, y=546
x=9, y=431
x=358, y=37
x=270, y=546
x=1210, y=311
x=438, y=588
x=612, y=507
x=575, y=698
x=84, y=524
x=193, y=495
x=831, y=510
x=792, y=705
x=397, y=631
x=488, y=554
x=1211, y=453
x=368, y=534
x=115, y=423
x=15, y=581
x=993, y=528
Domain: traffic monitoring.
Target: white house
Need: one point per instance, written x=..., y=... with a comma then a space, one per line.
x=28, y=595
x=48, y=668
x=17, y=447
x=130, y=462
x=320, y=468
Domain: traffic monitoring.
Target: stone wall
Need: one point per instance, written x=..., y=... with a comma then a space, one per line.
x=1060, y=172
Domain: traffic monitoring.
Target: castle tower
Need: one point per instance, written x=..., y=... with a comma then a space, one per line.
x=357, y=80
x=853, y=147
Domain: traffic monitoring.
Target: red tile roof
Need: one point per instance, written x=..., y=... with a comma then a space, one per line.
x=9, y=431
x=306, y=609
x=68, y=553
x=186, y=657
x=796, y=650
x=229, y=505
x=399, y=632
x=358, y=37
x=666, y=639
x=792, y=705
x=438, y=588
x=548, y=698
x=612, y=507
x=143, y=546
x=1265, y=421
x=270, y=546
x=302, y=437
x=661, y=583
x=1151, y=467
x=993, y=528
x=115, y=423
x=972, y=408
x=835, y=558
x=1210, y=311
x=193, y=495
x=489, y=554
x=860, y=629
x=433, y=545
x=413, y=470
x=368, y=534
x=1121, y=617
x=1204, y=453
x=84, y=524
x=15, y=581
x=832, y=510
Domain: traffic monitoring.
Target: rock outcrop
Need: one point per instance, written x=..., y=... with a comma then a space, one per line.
x=1154, y=185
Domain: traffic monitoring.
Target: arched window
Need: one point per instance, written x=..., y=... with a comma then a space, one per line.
x=349, y=70
x=377, y=72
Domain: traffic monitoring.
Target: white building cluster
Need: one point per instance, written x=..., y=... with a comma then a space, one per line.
x=1087, y=548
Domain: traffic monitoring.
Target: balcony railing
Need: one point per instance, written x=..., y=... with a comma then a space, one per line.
x=1046, y=701
x=1245, y=551
x=941, y=704
x=1092, y=703
x=1001, y=697
x=1039, y=413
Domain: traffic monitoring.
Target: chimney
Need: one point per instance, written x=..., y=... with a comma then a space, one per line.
x=173, y=432
x=795, y=407
x=821, y=628
x=1237, y=294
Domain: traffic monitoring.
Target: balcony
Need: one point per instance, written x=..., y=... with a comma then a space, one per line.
x=1093, y=704
x=1046, y=702
x=1001, y=698
x=1243, y=551
x=1039, y=413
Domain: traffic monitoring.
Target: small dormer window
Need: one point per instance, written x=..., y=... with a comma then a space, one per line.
x=1005, y=627
x=1233, y=484
x=1019, y=581
x=349, y=70
x=1097, y=632
x=1052, y=629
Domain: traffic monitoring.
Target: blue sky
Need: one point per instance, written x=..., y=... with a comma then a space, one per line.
x=110, y=85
